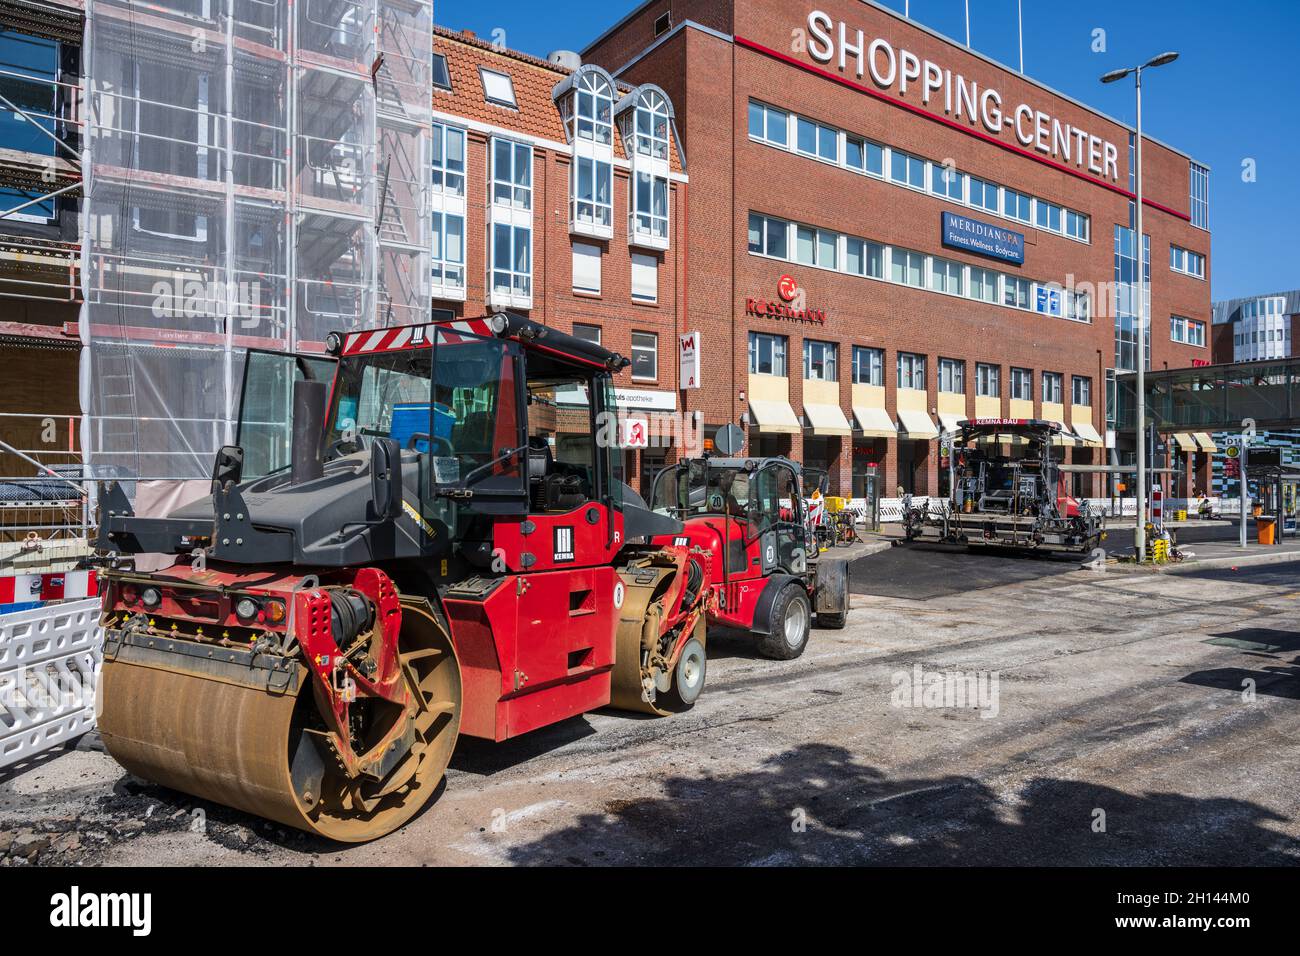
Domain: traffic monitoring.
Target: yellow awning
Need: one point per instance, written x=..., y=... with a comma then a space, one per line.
x=951, y=422
x=1185, y=441
x=774, y=417
x=875, y=422
x=826, y=419
x=1205, y=441
x=917, y=425
x=1086, y=432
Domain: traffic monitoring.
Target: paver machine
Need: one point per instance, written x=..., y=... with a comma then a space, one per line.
x=750, y=517
x=413, y=538
x=1001, y=501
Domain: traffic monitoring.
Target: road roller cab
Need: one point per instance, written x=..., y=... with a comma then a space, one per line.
x=417, y=536
x=750, y=516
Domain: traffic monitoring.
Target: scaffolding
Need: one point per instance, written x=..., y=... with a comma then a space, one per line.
x=252, y=180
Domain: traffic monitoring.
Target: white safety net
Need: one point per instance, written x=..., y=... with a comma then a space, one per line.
x=240, y=155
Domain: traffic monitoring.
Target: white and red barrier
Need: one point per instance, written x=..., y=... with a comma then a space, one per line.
x=22, y=591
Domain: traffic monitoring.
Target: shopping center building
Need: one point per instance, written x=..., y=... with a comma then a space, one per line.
x=888, y=232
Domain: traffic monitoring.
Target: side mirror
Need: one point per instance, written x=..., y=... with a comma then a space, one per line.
x=386, y=477
x=229, y=466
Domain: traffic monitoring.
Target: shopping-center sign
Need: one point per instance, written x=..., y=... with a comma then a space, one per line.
x=791, y=304
x=902, y=73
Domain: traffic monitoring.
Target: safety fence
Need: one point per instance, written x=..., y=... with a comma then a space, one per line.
x=49, y=669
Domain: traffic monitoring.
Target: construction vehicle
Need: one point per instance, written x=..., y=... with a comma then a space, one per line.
x=403, y=559
x=750, y=517
x=1000, y=501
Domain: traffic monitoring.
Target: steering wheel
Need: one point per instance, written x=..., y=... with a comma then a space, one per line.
x=443, y=445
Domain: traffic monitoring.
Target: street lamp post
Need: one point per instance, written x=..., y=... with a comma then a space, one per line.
x=1140, y=532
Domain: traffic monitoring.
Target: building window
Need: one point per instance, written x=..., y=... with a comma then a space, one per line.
x=766, y=354
x=985, y=195
x=906, y=170
x=1081, y=390
x=448, y=151
x=662, y=23
x=864, y=258
x=593, y=200
x=645, y=277
x=645, y=356
x=946, y=276
x=448, y=251
x=441, y=76
x=1016, y=292
x=769, y=124
x=907, y=267
x=1052, y=387
x=1200, y=190
x=31, y=69
x=947, y=182
x=768, y=236
x=868, y=366
x=1187, y=262
x=819, y=360
x=1047, y=215
x=1187, y=331
x=1022, y=384
x=1016, y=206
x=650, y=205
x=512, y=174
x=864, y=156
x=1078, y=306
x=498, y=88
x=1076, y=225
x=594, y=108
x=814, y=139
x=983, y=284
x=512, y=260
x=652, y=125
x=952, y=376
x=911, y=371
x=987, y=380
x=588, y=333
x=586, y=268
x=816, y=247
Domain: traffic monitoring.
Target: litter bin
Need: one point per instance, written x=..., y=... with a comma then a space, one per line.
x=1265, y=526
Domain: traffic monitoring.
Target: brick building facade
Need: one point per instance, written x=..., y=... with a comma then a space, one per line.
x=823, y=162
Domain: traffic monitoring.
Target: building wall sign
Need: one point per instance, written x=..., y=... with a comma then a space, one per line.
x=688, y=360
x=983, y=238
x=902, y=73
x=792, y=306
x=635, y=399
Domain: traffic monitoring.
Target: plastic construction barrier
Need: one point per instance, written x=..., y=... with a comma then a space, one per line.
x=49, y=668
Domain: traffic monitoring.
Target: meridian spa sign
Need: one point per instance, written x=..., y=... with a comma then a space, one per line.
x=900, y=71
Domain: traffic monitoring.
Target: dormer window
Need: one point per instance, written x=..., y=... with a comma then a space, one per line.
x=441, y=75
x=652, y=125
x=594, y=112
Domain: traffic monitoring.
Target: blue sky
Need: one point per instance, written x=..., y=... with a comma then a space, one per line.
x=1234, y=94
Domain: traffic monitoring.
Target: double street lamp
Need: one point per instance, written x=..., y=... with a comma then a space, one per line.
x=1140, y=532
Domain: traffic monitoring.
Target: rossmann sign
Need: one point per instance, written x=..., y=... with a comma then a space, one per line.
x=791, y=305
x=940, y=90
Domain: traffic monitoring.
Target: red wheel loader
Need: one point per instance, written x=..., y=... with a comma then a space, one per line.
x=411, y=540
x=748, y=515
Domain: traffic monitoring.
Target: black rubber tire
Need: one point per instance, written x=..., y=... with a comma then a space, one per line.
x=675, y=699
x=832, y=622
x=792, y=599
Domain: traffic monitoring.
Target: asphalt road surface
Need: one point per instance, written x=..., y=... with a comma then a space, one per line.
x=1137, y=718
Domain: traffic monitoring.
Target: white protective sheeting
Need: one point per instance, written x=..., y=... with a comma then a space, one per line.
x=248, y=184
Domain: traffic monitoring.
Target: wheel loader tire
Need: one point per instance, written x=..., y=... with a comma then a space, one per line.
x=688, y=676
x=828, y=621
x=791, y=624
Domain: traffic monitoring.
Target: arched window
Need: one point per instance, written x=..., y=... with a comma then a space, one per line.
x=594, y=107
x=652, y=124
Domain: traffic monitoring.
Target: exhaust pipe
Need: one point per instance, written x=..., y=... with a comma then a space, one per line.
x=308, y=428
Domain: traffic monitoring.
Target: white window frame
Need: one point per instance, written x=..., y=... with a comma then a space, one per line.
x=1022, y=377
x=447, y=273
x=586, y=264
x=988, y=375
x=874, y=361
x=646, y=263
x=642, y=347
x=504, y=96
x=911, y=370
x=1075, y=390
x=829, y=360
x=779, y=345
x=521, y=194
x=954, y=372
x=1053, y=387
x=452, y=181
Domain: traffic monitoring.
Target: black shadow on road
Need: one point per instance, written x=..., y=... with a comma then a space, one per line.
x=816, y=805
